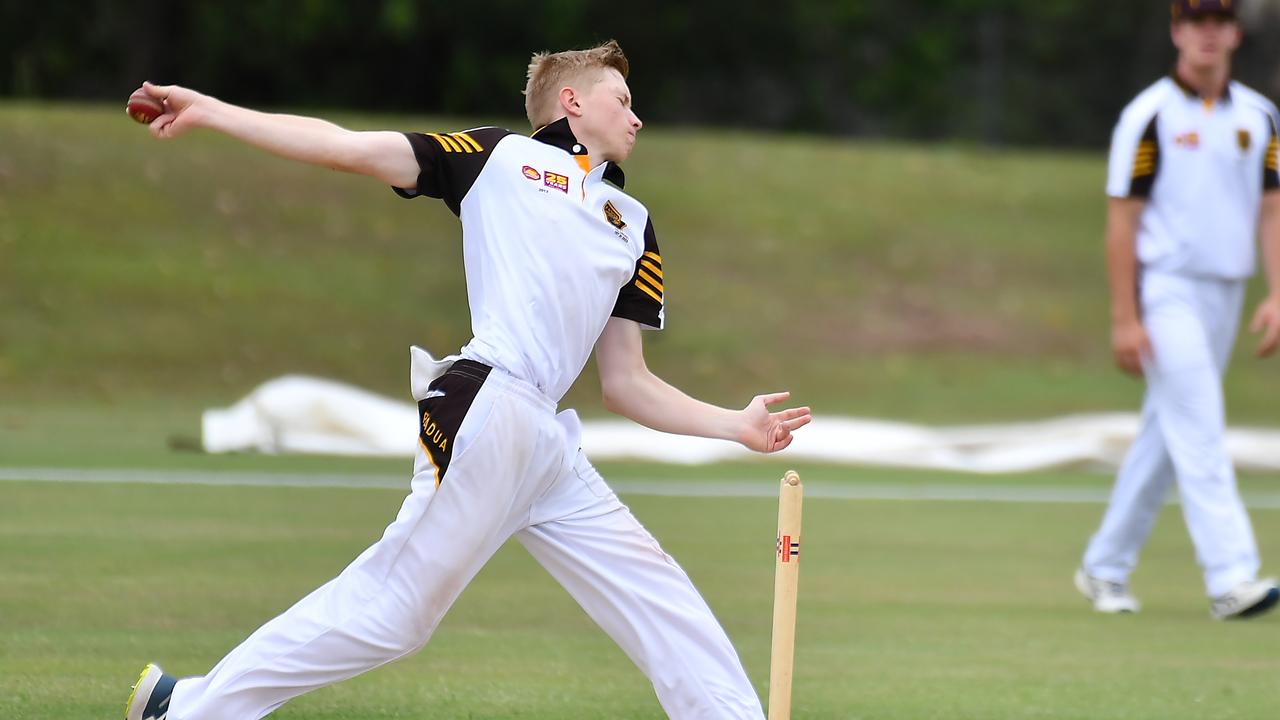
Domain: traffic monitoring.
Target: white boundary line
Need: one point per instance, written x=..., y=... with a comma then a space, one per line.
x=669, y=488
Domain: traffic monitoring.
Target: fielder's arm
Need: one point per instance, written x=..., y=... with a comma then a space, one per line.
x=1129, y=341
x=631, y=390
x=386, y=156
x=1267, y=318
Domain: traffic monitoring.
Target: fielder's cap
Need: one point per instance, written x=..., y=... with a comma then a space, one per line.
x=1181, y=9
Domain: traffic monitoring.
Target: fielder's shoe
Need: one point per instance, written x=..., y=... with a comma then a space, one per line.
x=1107, y=597
x=150, y=697
x=1249, y=598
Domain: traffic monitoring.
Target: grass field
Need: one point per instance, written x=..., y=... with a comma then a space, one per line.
x=922, y=282
x=908, y=609
x=143, y=282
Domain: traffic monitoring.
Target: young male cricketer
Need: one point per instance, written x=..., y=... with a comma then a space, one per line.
x=1192, y=181
x=559, y=260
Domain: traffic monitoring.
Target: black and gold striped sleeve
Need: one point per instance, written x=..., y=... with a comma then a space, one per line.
x=641, y=299
x=449, y=163
x=1270, y=164
x=1146, y=162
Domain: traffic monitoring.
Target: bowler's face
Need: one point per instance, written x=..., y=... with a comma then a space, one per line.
x=1206, y=41
x=609, y=119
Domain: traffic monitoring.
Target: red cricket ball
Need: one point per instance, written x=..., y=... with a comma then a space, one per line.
x=144, y=108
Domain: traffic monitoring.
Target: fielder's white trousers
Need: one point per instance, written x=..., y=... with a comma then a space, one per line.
x=1192, y=324
x=515, y=470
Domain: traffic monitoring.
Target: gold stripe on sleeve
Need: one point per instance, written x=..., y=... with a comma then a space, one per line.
x=450, y=145
x=1144, y=161
x=468, y=140
x=650, y=266
x=440, y=140
x=648, y=292
x=656, y=283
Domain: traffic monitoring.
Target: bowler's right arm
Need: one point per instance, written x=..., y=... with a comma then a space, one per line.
x=384, y=155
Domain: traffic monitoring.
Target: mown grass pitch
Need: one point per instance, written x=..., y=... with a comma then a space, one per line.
x=143, y=282
x=907, y=609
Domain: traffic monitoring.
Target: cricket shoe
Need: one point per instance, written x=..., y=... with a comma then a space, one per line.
x=150, y=697
x=1107, y=597
x=1249, y=598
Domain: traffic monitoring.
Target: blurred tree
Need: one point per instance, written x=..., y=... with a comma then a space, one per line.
x=996, y=71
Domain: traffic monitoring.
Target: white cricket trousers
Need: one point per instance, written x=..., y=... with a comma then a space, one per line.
x=511, y=466
x=1192, y=325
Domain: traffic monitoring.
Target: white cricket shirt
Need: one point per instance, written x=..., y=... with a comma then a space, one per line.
x=1203, y=165
x=552, y=247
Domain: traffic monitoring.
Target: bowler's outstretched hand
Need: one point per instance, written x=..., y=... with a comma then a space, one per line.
x=769, y=432
x=179, y=114
x=1267, y=321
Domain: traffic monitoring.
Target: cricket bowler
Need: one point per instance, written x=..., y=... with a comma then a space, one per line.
x=559, y=261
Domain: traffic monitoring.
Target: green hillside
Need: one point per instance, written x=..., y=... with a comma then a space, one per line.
x=934, y=282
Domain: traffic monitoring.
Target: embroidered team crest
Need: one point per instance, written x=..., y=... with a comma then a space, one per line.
x=1243, y=139
x=531, y=173
x=556, y=180
x=613, y=216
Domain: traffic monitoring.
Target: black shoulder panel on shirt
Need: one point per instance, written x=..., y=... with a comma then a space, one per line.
x=1146, y=162
x=641, y=298
x=1270, y=162
x=449, y=163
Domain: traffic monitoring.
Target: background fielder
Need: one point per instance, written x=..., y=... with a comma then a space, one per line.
x=1193, y=173
x=559, y=260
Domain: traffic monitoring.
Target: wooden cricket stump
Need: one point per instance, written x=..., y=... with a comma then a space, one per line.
x=786, y=584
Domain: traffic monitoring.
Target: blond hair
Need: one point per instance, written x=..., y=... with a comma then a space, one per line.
x=549, y=72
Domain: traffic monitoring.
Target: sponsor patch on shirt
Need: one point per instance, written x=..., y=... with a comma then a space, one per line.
x=1188, y=140
x=531, y=173
x=556, y=180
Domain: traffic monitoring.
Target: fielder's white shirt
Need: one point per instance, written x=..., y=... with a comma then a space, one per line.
x=1203, y=165
x=552, y=247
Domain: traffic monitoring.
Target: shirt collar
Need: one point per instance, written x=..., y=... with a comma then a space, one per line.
x=559, y=134
x=1192, y=93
